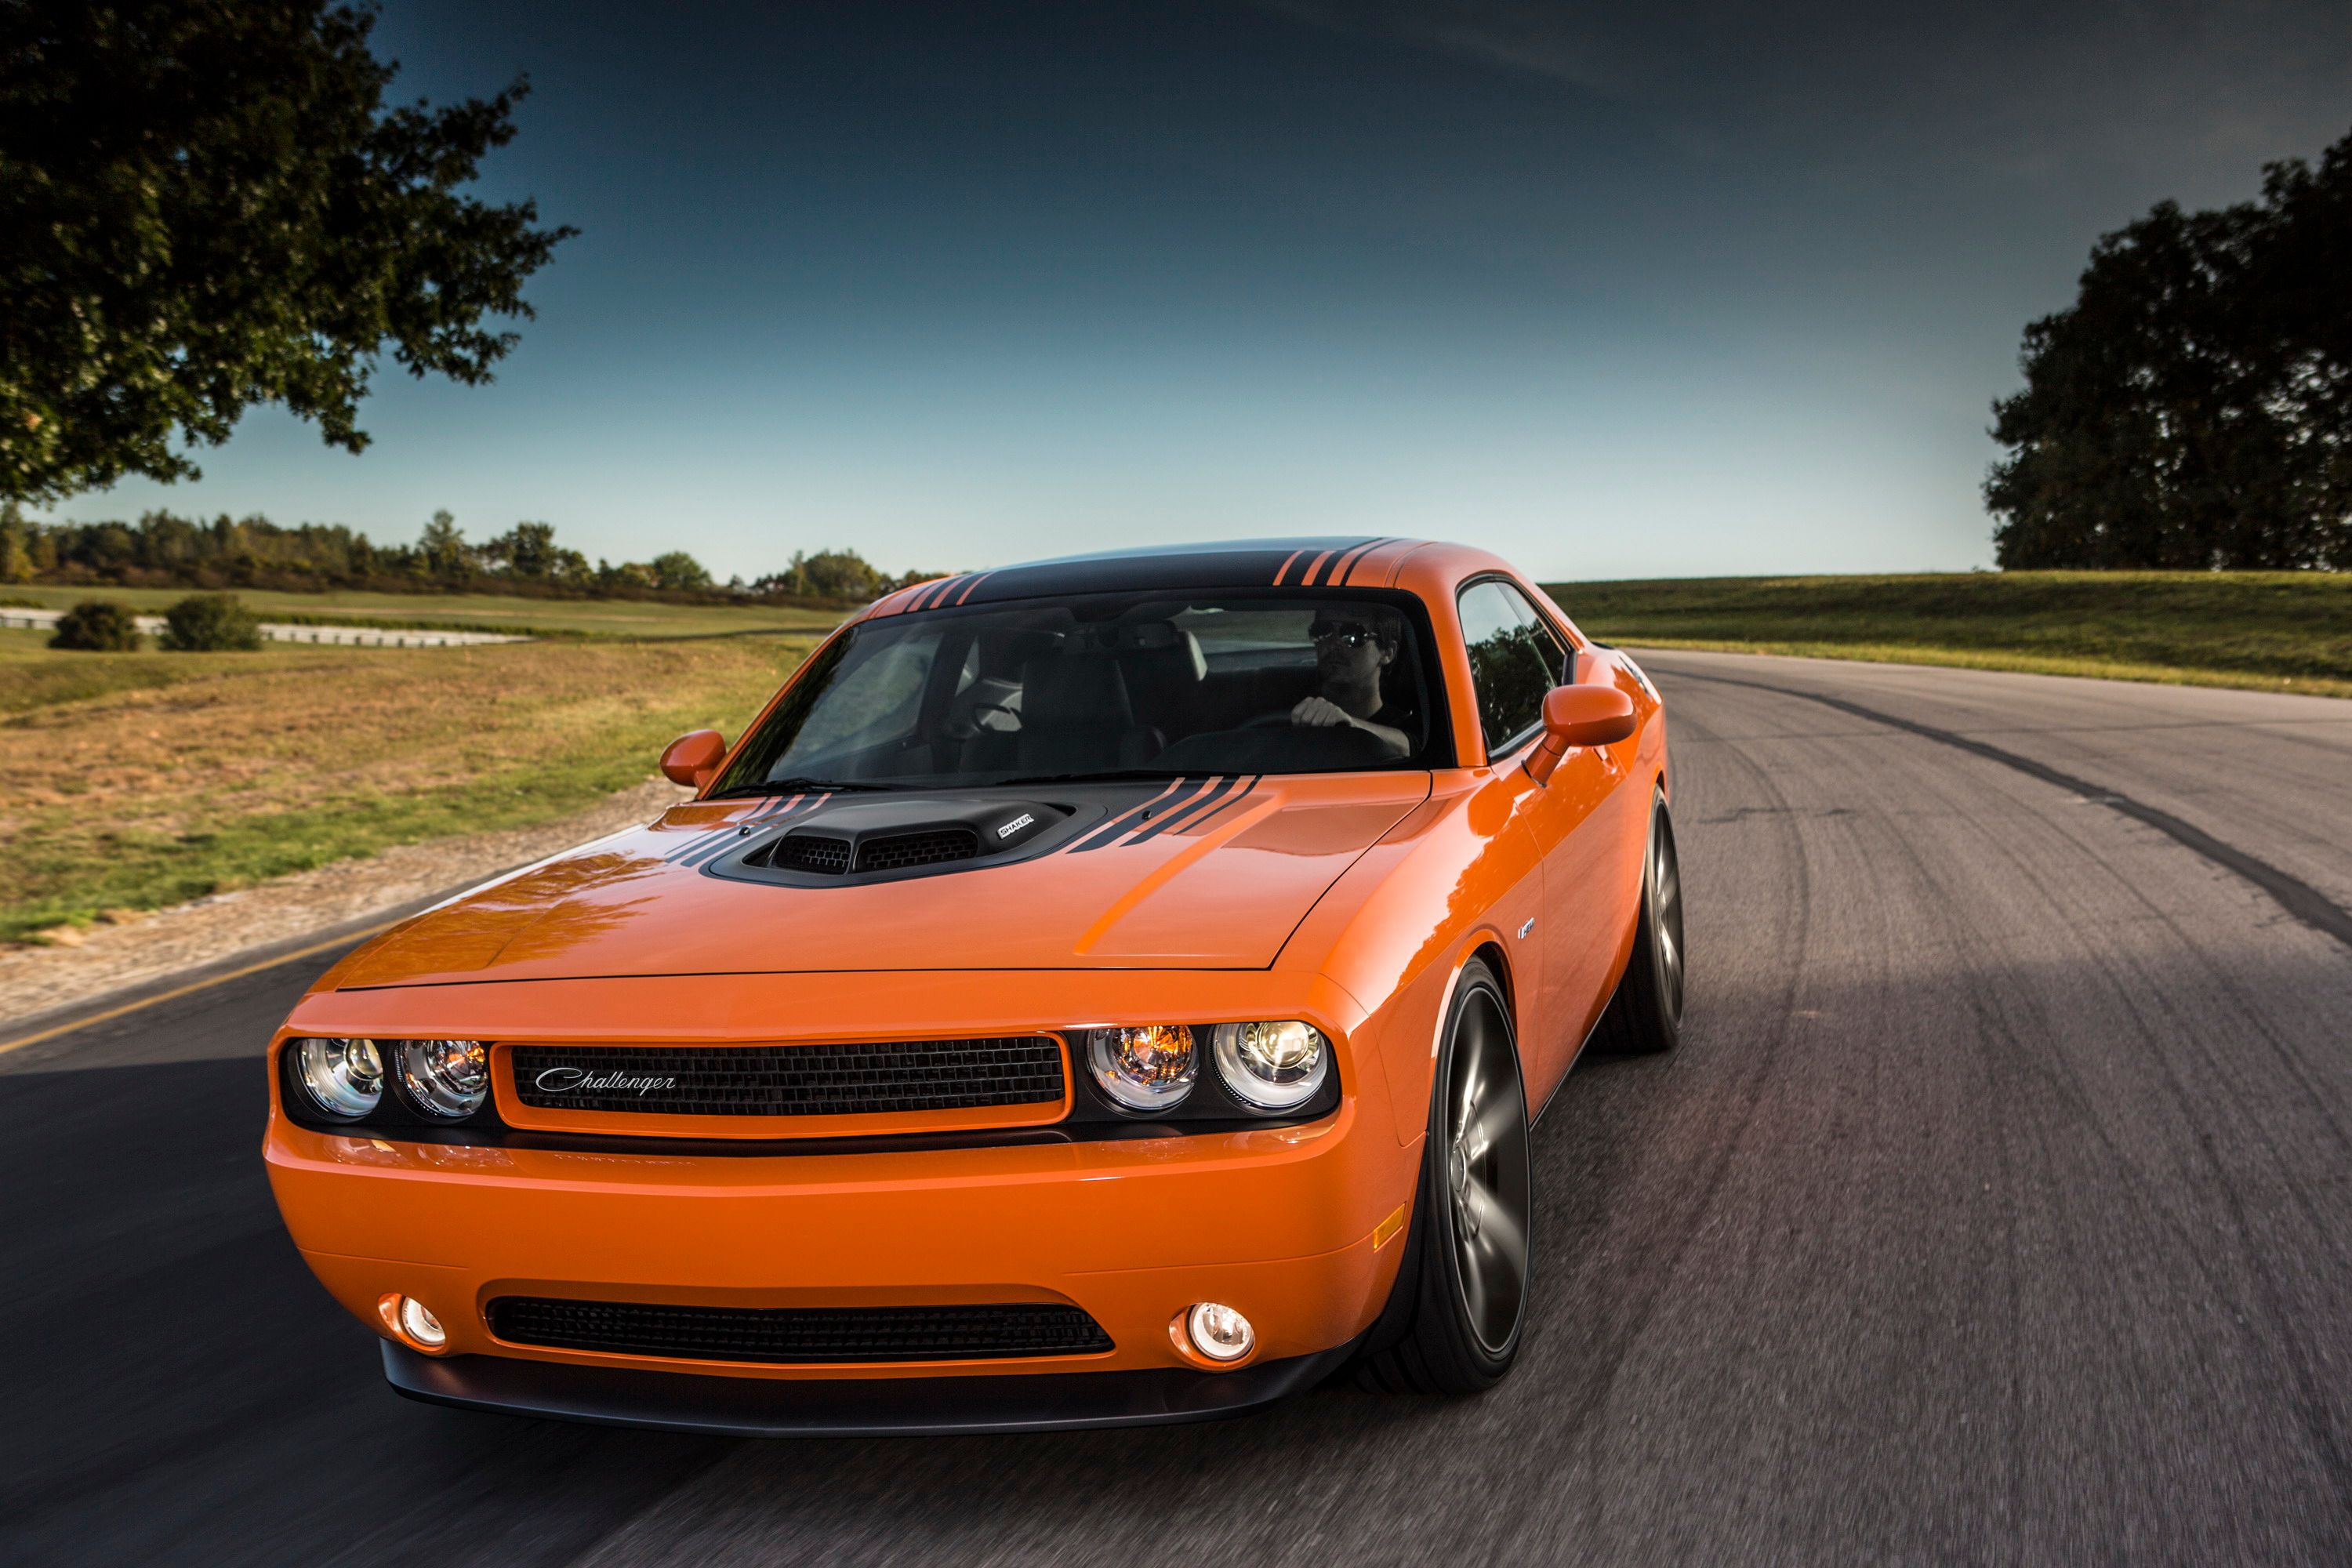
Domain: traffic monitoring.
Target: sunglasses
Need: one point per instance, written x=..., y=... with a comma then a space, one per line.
x=1348, y=632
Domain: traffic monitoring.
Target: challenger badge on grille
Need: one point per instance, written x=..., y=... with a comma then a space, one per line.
x=856, y=1078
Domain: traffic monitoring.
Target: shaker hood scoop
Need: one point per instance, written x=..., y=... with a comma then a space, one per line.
x=1205, y=872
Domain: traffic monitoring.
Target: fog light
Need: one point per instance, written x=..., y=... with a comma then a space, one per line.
x=419, y=1324
x=1219, y=1332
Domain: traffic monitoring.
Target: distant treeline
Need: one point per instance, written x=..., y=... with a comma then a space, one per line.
x=163, y=550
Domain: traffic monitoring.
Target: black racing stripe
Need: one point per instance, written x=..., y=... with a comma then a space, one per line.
x=1124, y=820
x=1338, y=574
x=719, y=834
x=799, y=805
x=1217, y=809
x=940, y=596
x=1306, y=578
x=975, y=582
x=1232, y=788
x=1283, y=569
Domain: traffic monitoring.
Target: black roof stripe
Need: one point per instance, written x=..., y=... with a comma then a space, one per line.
x=1348, y=561
x=1252, y=564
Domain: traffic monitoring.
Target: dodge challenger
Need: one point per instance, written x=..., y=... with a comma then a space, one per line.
x=1097, y=992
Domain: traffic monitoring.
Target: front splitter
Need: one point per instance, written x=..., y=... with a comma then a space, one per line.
x=843, y=1407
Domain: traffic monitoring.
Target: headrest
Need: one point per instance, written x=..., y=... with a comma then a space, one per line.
x=1073, y=690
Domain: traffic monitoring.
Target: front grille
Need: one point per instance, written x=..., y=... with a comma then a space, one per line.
x=799, y=1333
x=931, y=847
x=864, y=1078
x=818, y=852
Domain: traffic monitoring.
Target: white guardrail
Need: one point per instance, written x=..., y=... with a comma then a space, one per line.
x=282, y=631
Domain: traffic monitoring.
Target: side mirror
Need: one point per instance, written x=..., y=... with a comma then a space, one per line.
x=693, y=757
x=1578, y=716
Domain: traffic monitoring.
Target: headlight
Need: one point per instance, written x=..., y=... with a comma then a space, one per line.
x=445, y=1078
x=344, y=1079
x=1273, y=1067
x=1149, y=1067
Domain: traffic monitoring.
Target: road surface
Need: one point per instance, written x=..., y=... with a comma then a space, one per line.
x=1997, y=1208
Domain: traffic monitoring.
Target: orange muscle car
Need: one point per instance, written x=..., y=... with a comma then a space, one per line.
x=1103, y=990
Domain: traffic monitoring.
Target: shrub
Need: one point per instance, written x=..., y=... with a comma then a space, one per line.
x=101, y=625
x=211, y=623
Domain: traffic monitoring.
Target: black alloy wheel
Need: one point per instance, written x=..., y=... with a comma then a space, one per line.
x=1645, y=1015
x=1455, y=1320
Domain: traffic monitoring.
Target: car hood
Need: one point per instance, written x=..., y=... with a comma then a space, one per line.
x=1200, y=873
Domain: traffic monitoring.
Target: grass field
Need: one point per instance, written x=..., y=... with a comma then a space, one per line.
x=473, y=611
x=2278, y=631
x=136, y=781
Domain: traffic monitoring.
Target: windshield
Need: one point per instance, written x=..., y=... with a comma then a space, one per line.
x=1107, y=685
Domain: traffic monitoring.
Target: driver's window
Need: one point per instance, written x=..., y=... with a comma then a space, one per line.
x=1514, y=660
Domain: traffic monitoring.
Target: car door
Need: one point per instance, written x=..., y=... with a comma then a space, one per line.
x=1516, y=656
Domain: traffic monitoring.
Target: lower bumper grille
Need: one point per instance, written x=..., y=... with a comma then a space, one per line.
x=799, y=1334
x=865, y=1078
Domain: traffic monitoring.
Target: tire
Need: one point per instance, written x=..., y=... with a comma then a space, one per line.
x=1455, y=1316
x=1645, y=1015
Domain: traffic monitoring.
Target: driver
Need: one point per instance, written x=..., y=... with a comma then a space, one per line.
x=1354, y=645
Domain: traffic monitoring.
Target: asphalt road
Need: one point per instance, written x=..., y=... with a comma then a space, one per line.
x=1997, y=1208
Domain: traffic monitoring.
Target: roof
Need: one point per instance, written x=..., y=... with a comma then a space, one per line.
x=1359, y=561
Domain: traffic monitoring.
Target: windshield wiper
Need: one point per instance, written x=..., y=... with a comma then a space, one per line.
x=798, y=785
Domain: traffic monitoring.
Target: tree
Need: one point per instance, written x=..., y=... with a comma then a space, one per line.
x=442, y=550
x=206, y=204
x=2192, y=409
x=16, y=545
x=97, y=626
x=681, y=573
x=211, y=623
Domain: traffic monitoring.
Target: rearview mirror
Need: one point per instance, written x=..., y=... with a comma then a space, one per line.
x=1581, y=715
x=693, y=757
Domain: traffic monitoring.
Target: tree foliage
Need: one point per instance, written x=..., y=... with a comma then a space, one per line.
x=97, y=626
x=206, y=204
x=2192, y=409
x=211, y=623
x=163, y=548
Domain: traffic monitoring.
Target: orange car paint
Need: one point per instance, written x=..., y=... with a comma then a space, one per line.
x=1350, y=901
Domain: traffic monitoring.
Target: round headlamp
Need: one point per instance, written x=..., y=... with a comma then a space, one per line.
x=343, y=1079
x=1147, y=1068
x=448, y=1078
x=1273, y=1065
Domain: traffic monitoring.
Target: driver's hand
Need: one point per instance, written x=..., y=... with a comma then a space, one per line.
x=1320, y=713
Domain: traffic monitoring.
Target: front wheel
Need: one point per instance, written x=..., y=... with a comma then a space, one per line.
x=1460, y=1300
x=1645, y=1016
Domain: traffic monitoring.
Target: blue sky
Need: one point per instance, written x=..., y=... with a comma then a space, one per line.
x=1684, y=291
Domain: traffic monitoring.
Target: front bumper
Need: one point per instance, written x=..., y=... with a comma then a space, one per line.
x=1297, y=1226
x=907, y=1407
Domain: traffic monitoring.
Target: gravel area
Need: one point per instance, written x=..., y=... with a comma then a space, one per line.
x=144, y=948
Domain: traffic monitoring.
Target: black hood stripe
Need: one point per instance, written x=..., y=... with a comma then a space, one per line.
x=1124, y=820
x=685, y=853
x=1219, y=793
x=1285, y=567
